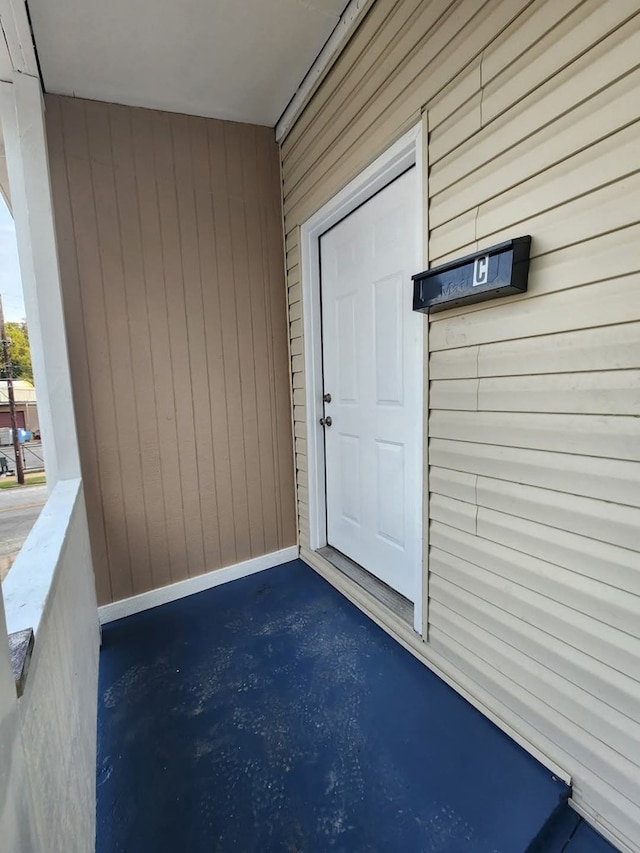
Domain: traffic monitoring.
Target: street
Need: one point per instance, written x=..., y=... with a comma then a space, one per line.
x=19, y=509
x=32, y=455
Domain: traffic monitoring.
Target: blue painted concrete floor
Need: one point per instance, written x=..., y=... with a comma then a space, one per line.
x=270, y=714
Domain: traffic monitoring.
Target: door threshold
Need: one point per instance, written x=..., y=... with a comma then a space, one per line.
x=382, y=592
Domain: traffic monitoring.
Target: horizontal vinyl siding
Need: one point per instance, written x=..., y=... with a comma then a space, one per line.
x=533, y=117
x=534, y=428
x=170, y=246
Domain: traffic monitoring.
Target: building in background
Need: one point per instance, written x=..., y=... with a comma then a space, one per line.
x=26, y=406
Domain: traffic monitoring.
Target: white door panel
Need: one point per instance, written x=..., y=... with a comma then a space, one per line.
x=372, y=362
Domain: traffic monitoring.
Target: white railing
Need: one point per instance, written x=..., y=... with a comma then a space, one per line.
x=28, y=585
x=51, y=730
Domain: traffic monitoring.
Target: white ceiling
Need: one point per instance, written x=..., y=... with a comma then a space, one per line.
x=232, y=59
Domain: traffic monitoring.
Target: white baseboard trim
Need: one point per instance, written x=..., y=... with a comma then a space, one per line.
x=181, y=589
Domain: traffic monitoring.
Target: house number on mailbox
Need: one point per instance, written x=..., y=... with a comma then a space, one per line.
x=481, y=271
x=497, y=271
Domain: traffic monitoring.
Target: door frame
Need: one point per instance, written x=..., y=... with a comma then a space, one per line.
x=402, y=155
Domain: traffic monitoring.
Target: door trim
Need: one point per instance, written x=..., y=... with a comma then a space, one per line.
x=404, y=154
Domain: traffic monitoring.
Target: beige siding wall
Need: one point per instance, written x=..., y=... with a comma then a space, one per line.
x=533, y=116
x=170, y=243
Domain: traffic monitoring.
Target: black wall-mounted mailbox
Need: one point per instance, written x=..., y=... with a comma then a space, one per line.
x=501, y=270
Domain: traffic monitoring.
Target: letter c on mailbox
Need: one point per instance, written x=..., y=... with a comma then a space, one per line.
x=481, y=270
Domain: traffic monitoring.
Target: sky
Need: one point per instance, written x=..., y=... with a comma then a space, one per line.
x=10, y=281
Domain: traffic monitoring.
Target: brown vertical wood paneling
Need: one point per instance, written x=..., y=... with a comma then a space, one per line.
x=74, y=323
x=249, y=411
x=124, y=489
x=222, y=189
x=170, y=236
x=217, y=427
x=95, y=346
x=189, y=386
x=172, y=265
x=252, y=178
x=188, y=178
x=151, y=524
x=163, y=413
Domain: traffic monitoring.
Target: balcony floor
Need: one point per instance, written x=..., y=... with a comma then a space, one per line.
x=270, y=714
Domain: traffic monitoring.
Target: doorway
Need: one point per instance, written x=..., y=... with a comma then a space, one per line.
x=364, y=372
x=372, y=387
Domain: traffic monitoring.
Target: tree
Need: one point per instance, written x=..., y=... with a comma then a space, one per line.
x=19, y=350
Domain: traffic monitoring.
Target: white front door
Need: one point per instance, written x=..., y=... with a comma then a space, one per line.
x=372, y=362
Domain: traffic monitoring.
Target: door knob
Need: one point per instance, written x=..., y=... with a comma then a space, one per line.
x=326, y=422
x=327, y=398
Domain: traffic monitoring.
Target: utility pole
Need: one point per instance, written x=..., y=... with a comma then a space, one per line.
x=8, y=369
